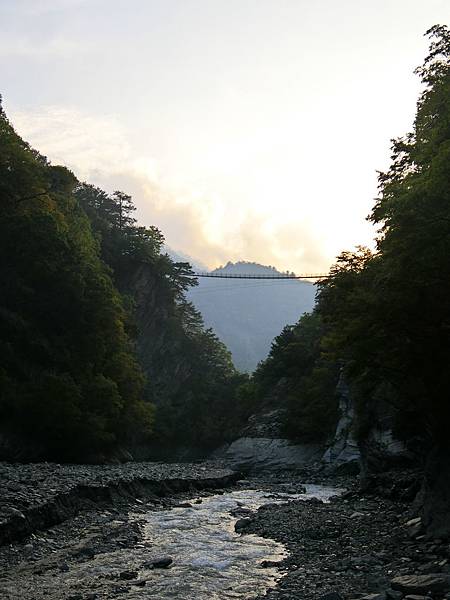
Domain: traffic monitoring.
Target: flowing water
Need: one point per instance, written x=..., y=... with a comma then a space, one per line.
x=210, y=560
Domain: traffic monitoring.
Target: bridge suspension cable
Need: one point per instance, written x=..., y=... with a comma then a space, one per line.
x=253, y=276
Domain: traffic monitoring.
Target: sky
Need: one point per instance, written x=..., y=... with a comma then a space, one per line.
x=243, y=129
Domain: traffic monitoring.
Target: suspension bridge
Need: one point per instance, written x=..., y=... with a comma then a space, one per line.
x=261, y=276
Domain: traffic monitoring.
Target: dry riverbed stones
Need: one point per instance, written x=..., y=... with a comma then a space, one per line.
x=354, y=548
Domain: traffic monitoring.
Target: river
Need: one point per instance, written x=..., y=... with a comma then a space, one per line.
x=209, y=559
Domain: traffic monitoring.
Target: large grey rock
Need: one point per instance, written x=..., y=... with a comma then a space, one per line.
x=242, y=524
x=268, y=453
x=421, y=584
x=162, y=562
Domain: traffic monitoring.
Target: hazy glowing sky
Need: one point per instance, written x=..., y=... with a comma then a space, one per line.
x=245, y=129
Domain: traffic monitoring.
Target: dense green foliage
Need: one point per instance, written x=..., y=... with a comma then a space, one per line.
x=191, y=377
x=388, y=312
x=75, y=318
x=69, y=380
x=299, y=377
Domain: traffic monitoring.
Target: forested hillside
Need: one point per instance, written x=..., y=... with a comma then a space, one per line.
x=95, y=327
x=384, y=316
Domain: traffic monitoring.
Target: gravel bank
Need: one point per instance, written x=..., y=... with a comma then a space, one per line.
x=37, y=496
x=354, y=546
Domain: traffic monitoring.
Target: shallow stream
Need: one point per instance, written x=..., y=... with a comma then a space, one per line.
x=210, y=560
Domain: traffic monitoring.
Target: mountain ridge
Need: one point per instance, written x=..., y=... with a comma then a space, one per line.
x=247, y=315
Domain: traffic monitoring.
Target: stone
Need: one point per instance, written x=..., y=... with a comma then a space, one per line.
x=242, y=524
x=162, y=562
x=421, y=584
x=127, y=575
x=415, y=597
x=14, y=512
x=413, y=522
x=268, y=564
x=381, y=596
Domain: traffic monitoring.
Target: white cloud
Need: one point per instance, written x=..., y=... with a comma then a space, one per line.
x=192, y=218
x=89, y=145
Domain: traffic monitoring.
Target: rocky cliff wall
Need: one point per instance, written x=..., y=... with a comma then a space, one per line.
x=159, y=348
x=376, y=451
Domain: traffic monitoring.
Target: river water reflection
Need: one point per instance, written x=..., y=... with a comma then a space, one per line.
x=211, y=561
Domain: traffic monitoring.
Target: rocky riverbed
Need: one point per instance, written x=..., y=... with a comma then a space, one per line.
x=356, y=546
x=165, y=545
x=128, y=535
x=36, y=496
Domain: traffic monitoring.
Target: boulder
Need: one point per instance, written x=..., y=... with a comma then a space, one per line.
x=242, y=524
x=266, y=453
x=162, y=562
x=422, y=584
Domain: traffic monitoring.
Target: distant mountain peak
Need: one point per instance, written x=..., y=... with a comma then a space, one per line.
x=250, y=267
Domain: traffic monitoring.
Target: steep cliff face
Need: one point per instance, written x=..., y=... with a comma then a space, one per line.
x=158, y=346
x=344, y=447
x=190, y=375
x=373, y=452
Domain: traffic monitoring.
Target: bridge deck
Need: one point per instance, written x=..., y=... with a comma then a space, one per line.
x=251, y=276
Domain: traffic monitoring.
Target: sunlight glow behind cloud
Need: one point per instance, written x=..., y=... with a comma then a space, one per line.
x=244, y=129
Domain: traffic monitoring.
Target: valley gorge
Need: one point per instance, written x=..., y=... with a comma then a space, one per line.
x=165, y=437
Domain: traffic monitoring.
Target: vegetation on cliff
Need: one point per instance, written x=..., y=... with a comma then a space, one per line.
x=83, y=363
x=298, y=377
x=385, y=314
x=69, y=381
x=388, y=311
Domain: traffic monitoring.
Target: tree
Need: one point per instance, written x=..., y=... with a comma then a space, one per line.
x=389, y=313
x=70, y=383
